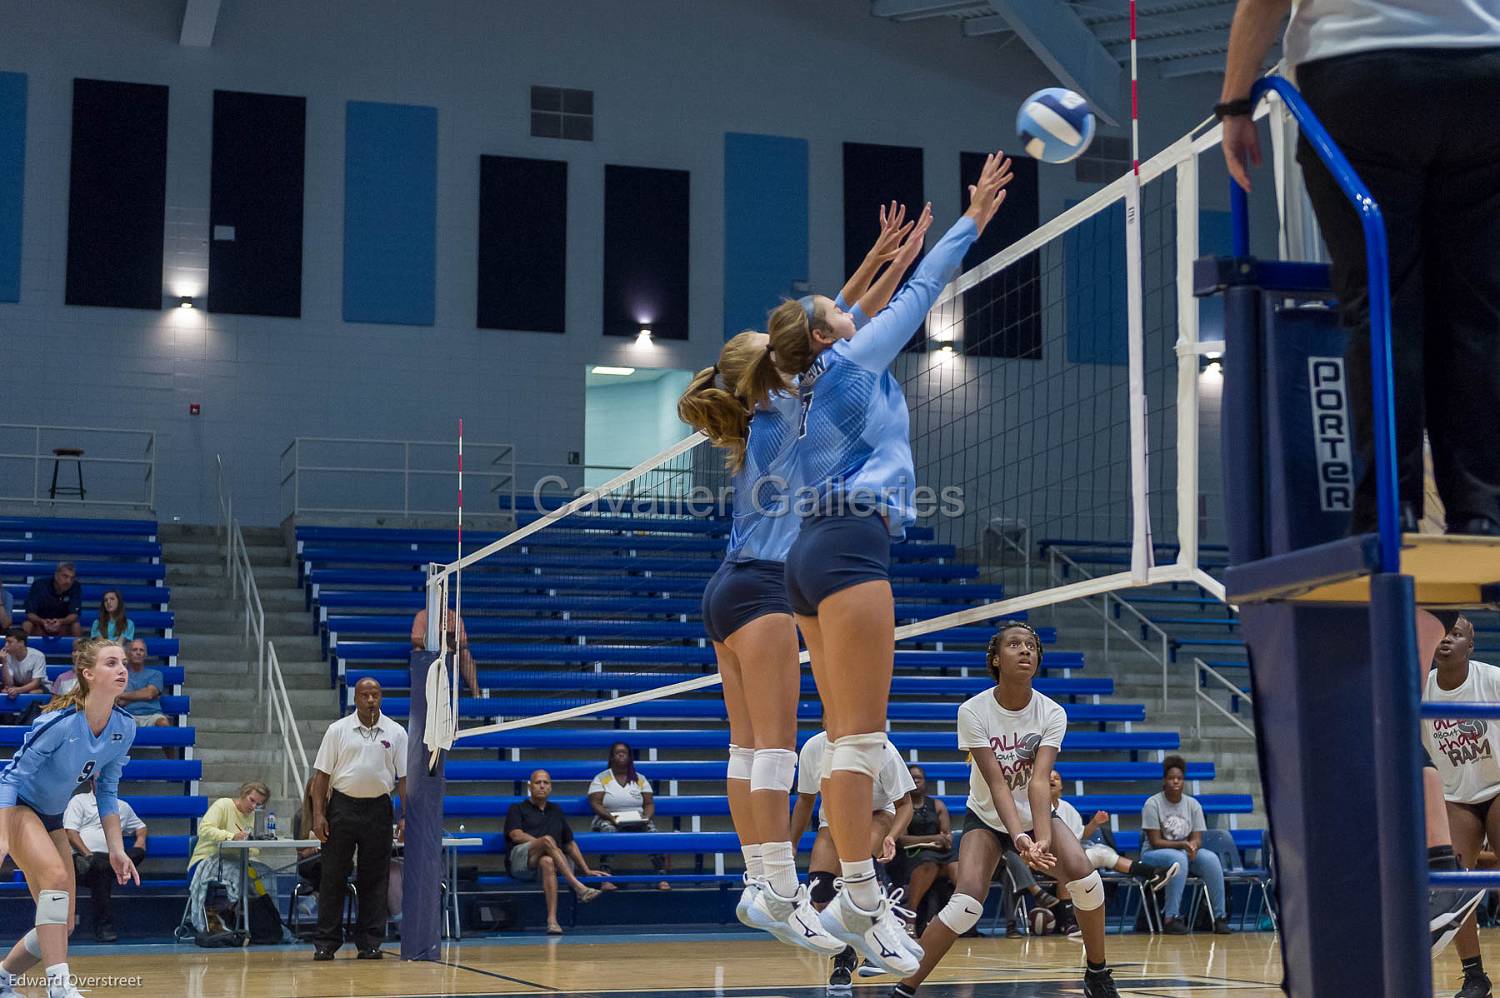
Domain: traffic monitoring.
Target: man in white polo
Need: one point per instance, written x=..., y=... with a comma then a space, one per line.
x=362, y=759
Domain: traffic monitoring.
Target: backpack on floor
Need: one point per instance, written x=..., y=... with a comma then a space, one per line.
x=265, y=921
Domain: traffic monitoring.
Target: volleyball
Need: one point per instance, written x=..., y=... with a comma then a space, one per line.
x=1042, y=921
x=1055, y=125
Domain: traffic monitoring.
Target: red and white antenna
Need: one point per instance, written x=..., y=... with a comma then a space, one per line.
x=1135, y=103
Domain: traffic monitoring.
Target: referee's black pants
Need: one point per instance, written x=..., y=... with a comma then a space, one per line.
x=361, y=824
x=1421, y=127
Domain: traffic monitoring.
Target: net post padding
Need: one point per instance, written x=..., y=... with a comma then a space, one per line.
x=422, y=807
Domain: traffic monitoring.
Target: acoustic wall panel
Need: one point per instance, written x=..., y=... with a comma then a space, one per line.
x=875, y=175
x=646, y=251
x=765, y=225
x=117, y=195
x=255, y=204
x=390, y=213
x=523, y=244
x=1002, y=315
x=12, y=181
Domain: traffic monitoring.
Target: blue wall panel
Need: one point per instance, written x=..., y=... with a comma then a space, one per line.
x=765, y=225
x=390, y=213
x=12, y=180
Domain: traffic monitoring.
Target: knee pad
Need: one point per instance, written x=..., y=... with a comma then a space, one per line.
x=961, y=913
x=860, y=753
x=740, y=762
x=32, y=943
x=1088, y=892
x=1102, y=856
x=51, y=907
x=773, y=769
x=820, y=887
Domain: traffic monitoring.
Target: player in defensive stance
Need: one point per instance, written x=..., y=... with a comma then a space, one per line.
x=1012, y=735
x=80, y=735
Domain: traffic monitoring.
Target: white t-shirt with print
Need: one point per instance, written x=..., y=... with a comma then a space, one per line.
x=1013, y=737
x=1466, y=751
x=1069, y=816
x=1321, y=29
x=892, y=783
x=620, y=795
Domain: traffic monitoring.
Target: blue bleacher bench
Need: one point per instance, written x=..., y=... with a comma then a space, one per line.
x=172, y=675
x=173, y=806
x=408, y=603
x=170, y=705
x=93, y=592
x=388, y=552
x=88, y=571
x=144, y=620
x=582, y=770
x=69, y=548
x=12, y=734
x=11, y=526
x=492, y=568
x=156, y=648
x=399, y=707
x=546, y=736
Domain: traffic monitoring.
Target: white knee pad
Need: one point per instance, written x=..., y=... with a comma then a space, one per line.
x=961, y=913
x=740, y=762
x=51, y=907
x=860, y=753
x=773, y=769
x=32, y=943
x=1088, y=892
x=1102, y=856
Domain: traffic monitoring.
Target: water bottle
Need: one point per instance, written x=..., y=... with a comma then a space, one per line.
x=271, y=825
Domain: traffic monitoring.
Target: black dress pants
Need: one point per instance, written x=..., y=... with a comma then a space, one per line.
x=362, y=825
x=95, y=873
x=1421, y=127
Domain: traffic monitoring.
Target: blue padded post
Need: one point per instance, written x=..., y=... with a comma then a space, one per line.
x=421, y=899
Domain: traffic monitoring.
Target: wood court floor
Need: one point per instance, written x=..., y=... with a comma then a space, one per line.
x=697, y=965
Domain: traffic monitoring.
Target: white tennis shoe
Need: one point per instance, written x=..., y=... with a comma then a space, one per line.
x=880, y=934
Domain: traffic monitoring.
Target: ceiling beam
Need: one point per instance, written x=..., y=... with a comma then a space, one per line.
x=912, y=10
x=1176, y=23
x=1066, y=46
x=199, y=18
x=1215, y=40
x=1094, y=13
x=990, y=24
x=1192, y=66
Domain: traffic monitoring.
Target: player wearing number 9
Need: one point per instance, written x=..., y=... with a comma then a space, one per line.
x=81, y=734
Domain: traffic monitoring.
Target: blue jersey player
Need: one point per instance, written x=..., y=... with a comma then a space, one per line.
x=745, y=609
x=854, y=464
x=80, y=736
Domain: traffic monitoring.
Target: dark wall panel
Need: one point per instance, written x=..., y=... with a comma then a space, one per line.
x=12, y=181
x=523, y=244
x=117, y=194
x=646, y=251
x=875, y=175
x=255, y=204
x=1002, y=315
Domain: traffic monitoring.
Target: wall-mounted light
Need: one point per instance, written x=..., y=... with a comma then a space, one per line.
x=619, y=372
x=643, y=338
x=1213, y=373
x=946, y=350
x=186, y=301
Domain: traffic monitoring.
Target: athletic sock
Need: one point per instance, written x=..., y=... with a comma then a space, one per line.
x=860, y=883
x=780, y=866
x=57, y=978
x=1474, y=966
x=902, y=991
x=1441, y=858
x=753, y=861
x=6, y=978
x=1097, y=968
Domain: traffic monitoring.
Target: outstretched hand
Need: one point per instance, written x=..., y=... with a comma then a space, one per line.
x=893, y=229
x=913, y=243
x=125, y=871
x=986, y=196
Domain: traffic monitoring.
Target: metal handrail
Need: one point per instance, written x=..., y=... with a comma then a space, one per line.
x=294, y=471
x=270, y=686
x=1110, y=600
x=38, y=455
x=1201, y=667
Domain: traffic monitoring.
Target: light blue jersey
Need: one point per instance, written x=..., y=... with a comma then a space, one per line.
x=60, y=753
x=764, y=523
x=855, y=434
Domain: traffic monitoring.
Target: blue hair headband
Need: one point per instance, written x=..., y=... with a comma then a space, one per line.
x=810, y=306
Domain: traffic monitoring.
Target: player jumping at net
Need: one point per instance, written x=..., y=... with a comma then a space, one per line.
x=745, y=608
x=1012, y=734
x=81, y=735
x=853, y=460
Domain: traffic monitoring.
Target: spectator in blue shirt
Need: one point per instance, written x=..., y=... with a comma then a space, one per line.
x=53, y=605
x=143, y=689
x=112, y=622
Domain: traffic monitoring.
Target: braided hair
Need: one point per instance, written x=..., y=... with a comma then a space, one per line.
x=992, y=650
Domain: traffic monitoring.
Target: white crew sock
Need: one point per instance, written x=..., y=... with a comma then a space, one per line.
x=57, y=980
x=780, y=864
x=6, y=978
x=860, y=882
x=753, y=864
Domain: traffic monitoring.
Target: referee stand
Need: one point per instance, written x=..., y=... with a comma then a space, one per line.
x=1330, y=619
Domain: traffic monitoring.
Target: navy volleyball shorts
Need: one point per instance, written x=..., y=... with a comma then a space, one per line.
x=739, y=592
x=835, y=551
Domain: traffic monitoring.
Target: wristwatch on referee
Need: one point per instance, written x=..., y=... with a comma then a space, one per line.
x=1234, y=109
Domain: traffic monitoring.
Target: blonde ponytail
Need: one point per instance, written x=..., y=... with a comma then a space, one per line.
x=85, y=654
x=716, y=402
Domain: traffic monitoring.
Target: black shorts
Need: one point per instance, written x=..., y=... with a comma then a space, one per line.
x=1427, y=762
x=51, y=822
x=974, y=823
x=739, y=592
x=833, y=552
x=1480, y=810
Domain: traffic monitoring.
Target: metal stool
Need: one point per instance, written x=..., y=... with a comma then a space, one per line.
x=304, y=889
x=59, y=455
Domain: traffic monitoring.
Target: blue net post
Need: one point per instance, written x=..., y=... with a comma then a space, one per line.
x=422, y=895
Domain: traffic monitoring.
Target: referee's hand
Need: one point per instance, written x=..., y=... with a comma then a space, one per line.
x=320, y=828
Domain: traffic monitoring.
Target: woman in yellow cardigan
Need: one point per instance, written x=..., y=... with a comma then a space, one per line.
x=227, y=819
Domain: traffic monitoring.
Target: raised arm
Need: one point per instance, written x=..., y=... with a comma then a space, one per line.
x=879, y=295
x=893, y=229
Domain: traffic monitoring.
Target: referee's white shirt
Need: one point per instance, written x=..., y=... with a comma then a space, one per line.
x=363, y=762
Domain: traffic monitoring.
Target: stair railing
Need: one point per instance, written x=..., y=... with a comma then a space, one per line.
x=1109, y=608
x=1203, y=668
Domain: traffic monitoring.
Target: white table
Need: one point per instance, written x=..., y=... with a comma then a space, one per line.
x=451, y=845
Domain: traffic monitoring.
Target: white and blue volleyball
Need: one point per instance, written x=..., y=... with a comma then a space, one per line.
x=1055, y=125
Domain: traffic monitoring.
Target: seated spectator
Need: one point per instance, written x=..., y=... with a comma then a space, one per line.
x=1102, y=855
x=53, y=605
x=1023, y=880
x=24, y=670
x=91, y=854
x=467, y=670
x=542, y=846
x=1173, y=825
x=69, y=679
x=7, y=607
x=227, y=819
x=622, y=801
x=143, y=686
x=112, y=622
x=926, y=852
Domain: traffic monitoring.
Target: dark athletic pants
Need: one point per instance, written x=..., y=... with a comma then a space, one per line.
x=363, y=824
x=95, y=873
x=1421, y=127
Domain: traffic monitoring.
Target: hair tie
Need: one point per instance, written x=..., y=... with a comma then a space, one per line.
x=716, y=370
